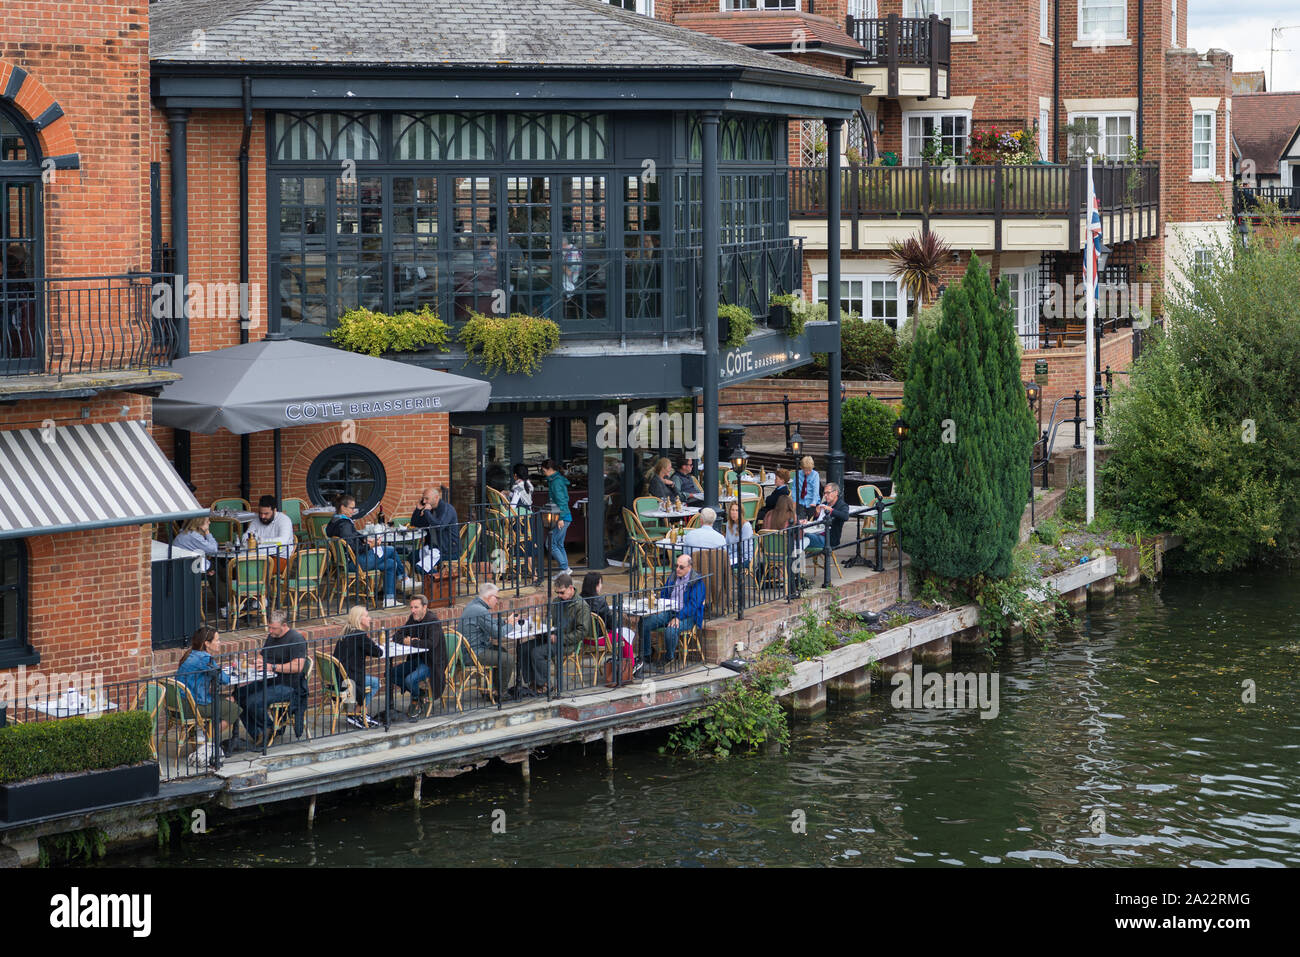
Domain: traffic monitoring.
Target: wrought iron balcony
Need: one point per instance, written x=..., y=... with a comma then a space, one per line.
x=1258, y=200
x=59, y=326
x=911, y=44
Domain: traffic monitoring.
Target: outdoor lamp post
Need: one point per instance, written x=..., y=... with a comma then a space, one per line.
x=738, y=460
x=901, y=430
x=796, y=445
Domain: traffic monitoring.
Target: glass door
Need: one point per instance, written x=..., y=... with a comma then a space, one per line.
x=20, y=301
x=466, y=472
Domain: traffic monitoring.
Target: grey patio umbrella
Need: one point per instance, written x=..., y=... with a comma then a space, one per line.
x=275, y=384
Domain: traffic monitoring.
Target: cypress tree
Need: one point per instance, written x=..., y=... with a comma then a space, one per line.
x=964, y=474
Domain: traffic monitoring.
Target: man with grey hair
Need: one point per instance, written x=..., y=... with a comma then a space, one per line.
x=484, y=630
x=833, y=509
x=704, y=535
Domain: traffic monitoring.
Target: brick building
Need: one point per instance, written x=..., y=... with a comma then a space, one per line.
x=1069, y=75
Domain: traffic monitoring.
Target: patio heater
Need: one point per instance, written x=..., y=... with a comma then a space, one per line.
x=901, y=429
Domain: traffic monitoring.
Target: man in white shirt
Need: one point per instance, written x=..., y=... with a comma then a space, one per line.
x=271, y=527
x=704, y=535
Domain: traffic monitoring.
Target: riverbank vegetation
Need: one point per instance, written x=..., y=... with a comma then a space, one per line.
x=1206, y=438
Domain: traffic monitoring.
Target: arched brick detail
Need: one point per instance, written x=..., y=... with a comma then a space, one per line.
x=29, y=97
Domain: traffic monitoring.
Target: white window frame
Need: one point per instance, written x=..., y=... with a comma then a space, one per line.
x=1174, y=24
x=786, y=6
x=1044, y=133
x=1206, y=172
x=1202, y=260
x=1026, y=300
x=645, y=8
x=910, y=160
x=1044, y=15
x=1101, y=118
x=864, y=295
x=862, y=9
x=1086, y=37
x=923, y=8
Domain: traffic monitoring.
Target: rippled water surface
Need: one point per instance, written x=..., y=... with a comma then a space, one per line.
x=1138, y=713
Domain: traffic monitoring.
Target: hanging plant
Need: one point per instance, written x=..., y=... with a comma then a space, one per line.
x=374, y=333
x=516, y=343
x=738, y=322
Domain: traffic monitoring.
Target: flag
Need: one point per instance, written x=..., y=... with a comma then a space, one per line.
x=1092, y=252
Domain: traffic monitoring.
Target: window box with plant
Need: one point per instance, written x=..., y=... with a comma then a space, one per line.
x=516, y=343
x=376, y=333
x=791, y=312
x=75, y=764
x=735, y=323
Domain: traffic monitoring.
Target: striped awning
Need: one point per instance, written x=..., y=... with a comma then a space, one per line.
x=63, y=478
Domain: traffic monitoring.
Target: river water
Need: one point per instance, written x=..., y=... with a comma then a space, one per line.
x=1125, y=742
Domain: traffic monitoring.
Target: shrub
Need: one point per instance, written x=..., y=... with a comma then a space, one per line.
x=810, y=638
x=742, y=323
x=866, y=349
x=866, y=427
x=743, y=716
x=515, y=343
x=962, y=471
x=72, y=745
x=1048, y=531
x=1206, y=438
x=374, y=333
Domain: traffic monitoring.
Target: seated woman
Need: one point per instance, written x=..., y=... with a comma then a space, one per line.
x=740, y=536
x=658, y=480
x=521, y=491
x=353, y=649
x=371, y=555
x=195, y=536
x=198, y=671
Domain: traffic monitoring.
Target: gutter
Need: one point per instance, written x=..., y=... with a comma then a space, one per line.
x=1142, y=31
x=1056, y=79
x=245, y=320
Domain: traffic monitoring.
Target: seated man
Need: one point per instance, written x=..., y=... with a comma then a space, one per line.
x=485, y=632
x=271, y=527
x=437, y=515
x=833, y=510
x=422, y=630
x=371, y=556
x=704, y=535
x=285, y=655
x=686, y=590
x=570, y=617
x=685, y=482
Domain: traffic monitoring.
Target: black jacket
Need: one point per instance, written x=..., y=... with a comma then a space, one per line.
x=659, y=488
x=773, y=499
x=600, y=607
x=352, y=650
x=838, y=516
x=341, y=526
x=428, y=634
x=444, y=533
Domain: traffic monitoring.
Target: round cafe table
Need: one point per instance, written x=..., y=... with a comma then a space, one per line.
x=686, y=512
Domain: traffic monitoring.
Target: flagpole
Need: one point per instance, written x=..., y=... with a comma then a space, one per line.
x=1090, y=265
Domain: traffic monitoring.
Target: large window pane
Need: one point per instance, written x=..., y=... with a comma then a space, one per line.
x=475, y=281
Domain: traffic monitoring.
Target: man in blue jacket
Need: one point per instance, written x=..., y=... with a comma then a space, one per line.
x=686, y=591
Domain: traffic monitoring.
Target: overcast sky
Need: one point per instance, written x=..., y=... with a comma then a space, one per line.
x=1245, y=33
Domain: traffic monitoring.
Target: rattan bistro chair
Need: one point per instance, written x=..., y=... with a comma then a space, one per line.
x=281, y=713
x=233, y=504
x=249, y=584
x=305, y=579
x=151, y=698
x=338, y=691
x=465, y=671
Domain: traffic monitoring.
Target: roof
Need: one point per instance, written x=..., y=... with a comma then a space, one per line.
x=1263, y=124
x=775, y=30
x=1251, y=81
x=431, y=34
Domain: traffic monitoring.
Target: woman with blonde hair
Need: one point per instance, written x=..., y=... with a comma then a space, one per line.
x=353, y=649
x=658, y=479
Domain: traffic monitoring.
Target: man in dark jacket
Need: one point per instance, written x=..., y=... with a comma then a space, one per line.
x=423, y=630
x=436, y=514
x=833, y=508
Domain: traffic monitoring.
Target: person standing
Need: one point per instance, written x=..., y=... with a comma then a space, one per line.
x=807, y=487
x=557, y=487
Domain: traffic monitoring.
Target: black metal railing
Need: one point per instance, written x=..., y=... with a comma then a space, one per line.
x=72, y=325
x=903, y=41
x=602, y=293
x=1255, y=200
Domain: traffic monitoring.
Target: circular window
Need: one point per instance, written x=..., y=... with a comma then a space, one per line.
x=351, y=469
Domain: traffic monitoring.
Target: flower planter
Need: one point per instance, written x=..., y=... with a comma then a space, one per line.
x=69, y=793
x=724, y=331
x=778, y=317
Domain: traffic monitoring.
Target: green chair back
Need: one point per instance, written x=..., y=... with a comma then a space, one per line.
x=293, y=508
x=401, y=522
x=867, y=494
x=233, y=504
x=224, y=530
x=249, y=575
x=180, y=702
x=772, y=545
x=308, y=568
x=332, y=674
x=315, y=525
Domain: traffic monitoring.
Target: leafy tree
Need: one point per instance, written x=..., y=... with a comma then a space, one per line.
x=963, y=475
x=1206, y=439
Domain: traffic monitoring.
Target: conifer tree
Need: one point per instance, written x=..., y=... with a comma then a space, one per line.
x=964, y=474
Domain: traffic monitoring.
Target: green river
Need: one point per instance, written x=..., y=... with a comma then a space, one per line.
x=1136, y=716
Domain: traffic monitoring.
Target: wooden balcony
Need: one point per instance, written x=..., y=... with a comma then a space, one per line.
x=906, y=56
x=978, y=207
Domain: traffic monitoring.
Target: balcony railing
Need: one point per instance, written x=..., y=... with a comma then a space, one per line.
x=895, y=41
x=1042, y=191
x=76, y=325
x=1254, y=200
x=642, y=292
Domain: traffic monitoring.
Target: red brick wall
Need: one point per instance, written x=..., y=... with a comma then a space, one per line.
x=93, y=60
x=88, y=592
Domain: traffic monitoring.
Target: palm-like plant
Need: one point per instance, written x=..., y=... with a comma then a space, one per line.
x=915, y=262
